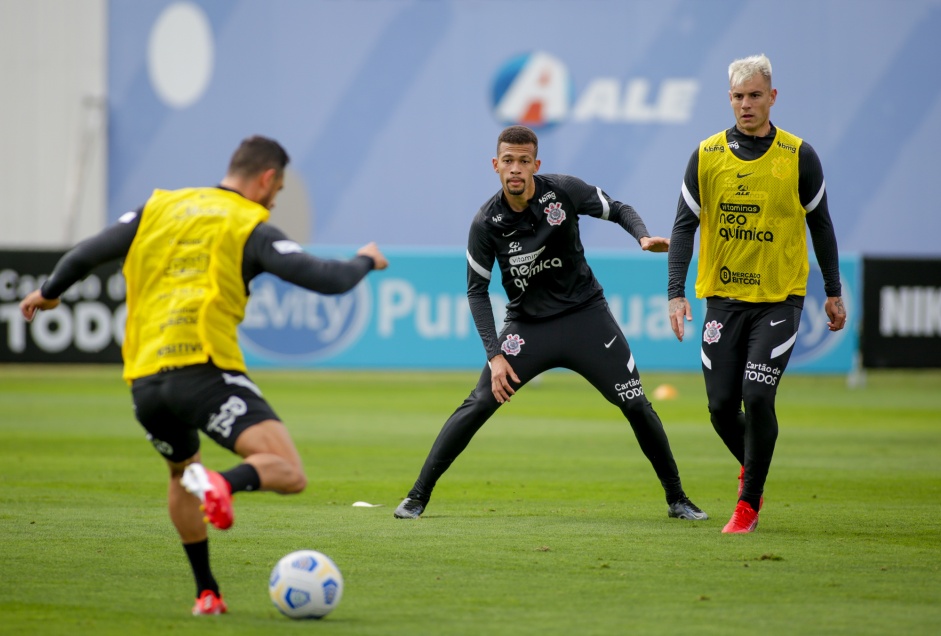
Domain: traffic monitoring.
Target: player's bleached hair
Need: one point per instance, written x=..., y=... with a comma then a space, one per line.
x=742, y=70
x=518, y=136
x=257, y=154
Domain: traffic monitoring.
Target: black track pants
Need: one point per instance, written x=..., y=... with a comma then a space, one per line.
x=588, y=342
x=744, y=354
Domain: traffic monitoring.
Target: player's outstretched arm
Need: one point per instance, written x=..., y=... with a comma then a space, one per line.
x=372, y=251
x=655, y=244
x=679, y=309
x=36, y=301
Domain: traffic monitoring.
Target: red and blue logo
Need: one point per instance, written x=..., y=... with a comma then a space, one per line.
x=536, y=90
x=533, y=89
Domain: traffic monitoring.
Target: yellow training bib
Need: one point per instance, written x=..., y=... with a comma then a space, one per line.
x=753, y=242
x=185, y=292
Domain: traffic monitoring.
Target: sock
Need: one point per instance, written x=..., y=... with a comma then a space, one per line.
x=198, y=554
x=242, y=477
x=674, y=494
x=754, y=502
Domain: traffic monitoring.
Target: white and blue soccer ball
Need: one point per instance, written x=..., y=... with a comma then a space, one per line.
x=305, y=584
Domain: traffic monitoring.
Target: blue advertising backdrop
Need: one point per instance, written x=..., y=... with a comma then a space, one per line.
x=390, y=110
x=415, y=315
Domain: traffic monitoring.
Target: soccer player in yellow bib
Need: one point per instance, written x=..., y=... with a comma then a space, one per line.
x=189, y=256
x=751, y=189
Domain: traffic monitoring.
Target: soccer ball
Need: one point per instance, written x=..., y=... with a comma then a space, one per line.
x=305, y=584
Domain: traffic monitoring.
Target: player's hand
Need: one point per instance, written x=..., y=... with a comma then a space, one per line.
x=34, y=302
x=655, y=244
x=372, y=251
x=679, y=309
x=836, y=312
x=500, y=375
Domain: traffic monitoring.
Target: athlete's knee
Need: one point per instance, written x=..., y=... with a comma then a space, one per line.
x=640, y=413
x=636, y=407
x=296, y=482
x=724, y=404
x=759, y=401
x=177, y=468
x=270, y=436
x=481, y=403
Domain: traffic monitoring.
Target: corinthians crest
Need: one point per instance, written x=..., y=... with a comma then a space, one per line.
x=712, y=332
x=512, y=345
x=555, y=213
x=781, y=167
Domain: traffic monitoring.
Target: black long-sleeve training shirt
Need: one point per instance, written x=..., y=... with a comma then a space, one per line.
x=267, y=249
x=811, y=187
x=539, y=251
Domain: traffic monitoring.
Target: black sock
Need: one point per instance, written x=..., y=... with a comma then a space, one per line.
x=755, y=503
x=198, y=554
x=674, y=494
x=242, y=477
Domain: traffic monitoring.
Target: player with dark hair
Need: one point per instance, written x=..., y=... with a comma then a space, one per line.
x=557, y=315
x=189, y=256
x=751, y=189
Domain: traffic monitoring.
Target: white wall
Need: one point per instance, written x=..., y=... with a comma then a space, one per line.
x=53, y=121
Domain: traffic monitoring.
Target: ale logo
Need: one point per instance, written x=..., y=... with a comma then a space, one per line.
x=533, y=89
x=285, y=323
x=536, y=90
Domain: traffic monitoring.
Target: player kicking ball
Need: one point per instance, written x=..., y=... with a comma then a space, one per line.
x=189, y=256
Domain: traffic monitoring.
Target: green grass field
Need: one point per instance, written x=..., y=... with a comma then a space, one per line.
x=552, y=521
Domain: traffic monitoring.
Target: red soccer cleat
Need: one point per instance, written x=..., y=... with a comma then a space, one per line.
x=214, y=493
x=744, y=519
x=209, y=604
x=741, y=483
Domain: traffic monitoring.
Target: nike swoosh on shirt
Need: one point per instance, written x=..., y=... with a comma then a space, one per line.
x=608, y=346
x=505, y=234
x=773, y=323
x=742, y=176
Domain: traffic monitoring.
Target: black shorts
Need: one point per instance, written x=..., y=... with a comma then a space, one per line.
x=174, y=406
x=588, y=342
x=746, y=348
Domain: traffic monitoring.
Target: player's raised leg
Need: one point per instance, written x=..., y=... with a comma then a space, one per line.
x=268, y=448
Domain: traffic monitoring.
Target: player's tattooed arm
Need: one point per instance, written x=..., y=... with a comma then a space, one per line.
x=836, y=312
x=679, y=309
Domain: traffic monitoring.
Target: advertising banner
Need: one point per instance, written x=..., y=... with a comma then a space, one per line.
x=87, y=326
x=413, y=315
x=901, y=313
